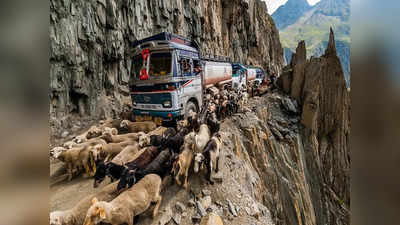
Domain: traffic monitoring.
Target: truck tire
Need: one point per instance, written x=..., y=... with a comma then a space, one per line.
x=191, y=106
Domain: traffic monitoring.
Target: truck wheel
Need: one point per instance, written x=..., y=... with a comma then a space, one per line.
x=190, y=107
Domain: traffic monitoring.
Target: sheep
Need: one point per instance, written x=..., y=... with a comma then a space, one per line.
x=129, y=153
x=144, y=140
x=127, y=205
x=72, y=160
x=134, y=127
x=110, y=150
x=94, y=132
x=182, y=164
x=114, y=168
x=115, y=123
x=111, y=137
x=210, y=155
x=69, y=144
x=56, y=151
x=157, y=140
x=161, y=165
x=77, y=214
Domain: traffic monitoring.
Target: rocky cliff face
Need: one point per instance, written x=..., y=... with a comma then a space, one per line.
x=319, y=87
x=89, y=42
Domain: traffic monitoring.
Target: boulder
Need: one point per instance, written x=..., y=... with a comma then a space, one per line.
x=211, y=219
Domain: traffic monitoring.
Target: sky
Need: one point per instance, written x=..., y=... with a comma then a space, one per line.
x=274, y=4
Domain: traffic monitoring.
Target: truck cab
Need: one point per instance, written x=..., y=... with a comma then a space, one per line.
x=165, y=78
x=238, y=75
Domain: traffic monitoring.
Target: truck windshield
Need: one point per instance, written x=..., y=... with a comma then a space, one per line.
x=137, y=64
x=160, y=64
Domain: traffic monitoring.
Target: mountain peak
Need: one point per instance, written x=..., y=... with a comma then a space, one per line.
x=288, y=13
x=331, y=49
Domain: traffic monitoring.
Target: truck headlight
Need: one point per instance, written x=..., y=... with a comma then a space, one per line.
x=167, y=104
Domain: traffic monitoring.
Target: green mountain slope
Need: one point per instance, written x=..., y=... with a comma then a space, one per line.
x=313, y=27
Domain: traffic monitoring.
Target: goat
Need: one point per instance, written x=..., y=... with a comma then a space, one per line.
x=182, y=124
x=127, y=205
x=76, y=215
x=201, y=138
x=210, y=155
x=213, y=122
x=174, y=143
x=170, y=132
x=182, y=164
x=135, y=127
x=193, y=121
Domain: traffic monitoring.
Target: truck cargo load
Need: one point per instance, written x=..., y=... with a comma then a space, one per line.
x=216, y=73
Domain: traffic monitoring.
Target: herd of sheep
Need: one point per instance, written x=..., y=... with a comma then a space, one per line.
x=137, y=156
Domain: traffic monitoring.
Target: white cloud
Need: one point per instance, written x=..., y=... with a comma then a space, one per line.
x=273, y=5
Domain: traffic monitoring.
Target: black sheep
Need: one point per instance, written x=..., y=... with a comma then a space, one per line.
x=157, y=140
x=110, y=169
x=161, y=165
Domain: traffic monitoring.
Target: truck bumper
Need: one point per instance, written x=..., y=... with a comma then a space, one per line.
x=165, y=115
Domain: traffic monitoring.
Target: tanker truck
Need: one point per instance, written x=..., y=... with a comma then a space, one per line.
x=169, y=77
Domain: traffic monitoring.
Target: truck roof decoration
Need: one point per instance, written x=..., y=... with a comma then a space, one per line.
x=165, y=36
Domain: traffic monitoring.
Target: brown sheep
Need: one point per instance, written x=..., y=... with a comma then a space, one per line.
x=71, y=159
x=76, y=215
x=110, y=150
x=144, y=140
x=127, y=154
x=127, y=205
x=92, y=132
x=111, y=137
x=69, y=144
x=135, y=127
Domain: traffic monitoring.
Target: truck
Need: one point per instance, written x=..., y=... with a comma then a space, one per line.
x=259, y=74
x=169, y=77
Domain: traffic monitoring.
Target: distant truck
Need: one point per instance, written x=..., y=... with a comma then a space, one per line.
x=169, y=77
x=258, y=73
